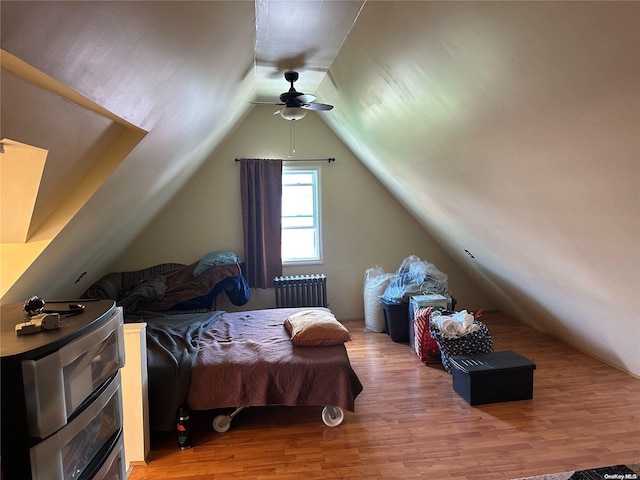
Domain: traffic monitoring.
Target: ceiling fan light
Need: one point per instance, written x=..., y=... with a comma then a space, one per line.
x=293, y=113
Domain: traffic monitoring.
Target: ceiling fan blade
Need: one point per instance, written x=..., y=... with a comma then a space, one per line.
x=292, y=101
x=317, y=106
x=304, y=98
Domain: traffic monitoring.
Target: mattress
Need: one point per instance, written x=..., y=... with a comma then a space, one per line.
x=247, y=359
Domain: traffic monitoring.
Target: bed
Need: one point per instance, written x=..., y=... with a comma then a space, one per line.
x=236, y=360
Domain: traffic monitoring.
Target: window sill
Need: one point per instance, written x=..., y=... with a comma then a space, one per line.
x=293, y=263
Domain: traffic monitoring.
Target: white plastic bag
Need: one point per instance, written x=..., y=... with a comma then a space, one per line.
x=375, y=283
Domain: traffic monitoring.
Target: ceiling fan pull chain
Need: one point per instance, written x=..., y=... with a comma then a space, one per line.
x=292, y=140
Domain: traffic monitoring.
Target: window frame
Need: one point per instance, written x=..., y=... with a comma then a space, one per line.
x=316, y=170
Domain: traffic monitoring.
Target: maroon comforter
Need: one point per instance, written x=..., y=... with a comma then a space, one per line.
x=248, y=359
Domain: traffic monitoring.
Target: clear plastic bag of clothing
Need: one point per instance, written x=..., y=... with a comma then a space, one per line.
x=416, y=277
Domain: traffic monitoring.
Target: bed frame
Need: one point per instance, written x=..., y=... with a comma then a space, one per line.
x=248, y=359
x=220, y=360
x=331, y=416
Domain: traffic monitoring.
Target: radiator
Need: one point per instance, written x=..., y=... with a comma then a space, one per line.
x=301, y=291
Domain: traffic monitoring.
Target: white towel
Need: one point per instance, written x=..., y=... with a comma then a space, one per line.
x=456, y=325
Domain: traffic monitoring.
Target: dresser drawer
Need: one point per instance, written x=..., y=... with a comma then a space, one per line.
x=67, y=453
x=56, y=385
x=114, y=467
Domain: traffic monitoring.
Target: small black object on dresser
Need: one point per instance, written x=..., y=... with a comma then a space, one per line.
x=492, y=377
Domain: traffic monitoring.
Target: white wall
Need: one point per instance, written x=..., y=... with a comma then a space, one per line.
x=363, y=225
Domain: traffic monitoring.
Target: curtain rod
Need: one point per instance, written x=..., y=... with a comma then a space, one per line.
x=299, y=159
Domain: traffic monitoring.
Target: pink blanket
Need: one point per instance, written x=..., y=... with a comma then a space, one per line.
x=248, y=359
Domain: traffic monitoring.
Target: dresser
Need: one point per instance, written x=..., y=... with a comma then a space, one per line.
x=61, y=396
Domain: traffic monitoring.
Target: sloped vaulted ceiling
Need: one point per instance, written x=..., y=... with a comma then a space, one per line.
x=510, y=129
x=43, y=189
x=141, y=62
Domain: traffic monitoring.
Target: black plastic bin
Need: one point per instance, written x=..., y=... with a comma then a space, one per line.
x=493, y=377
x=396, y=319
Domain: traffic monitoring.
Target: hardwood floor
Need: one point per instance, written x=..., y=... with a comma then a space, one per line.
x=410, y=424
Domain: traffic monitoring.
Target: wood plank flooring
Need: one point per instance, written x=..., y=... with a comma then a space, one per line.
x=410, y=424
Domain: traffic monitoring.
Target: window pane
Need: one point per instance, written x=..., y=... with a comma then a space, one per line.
x=298, y=177
x=300, y=214
x=298, y=244
x=297, y=201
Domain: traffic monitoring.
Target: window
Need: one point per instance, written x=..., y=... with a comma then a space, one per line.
x=301, y=215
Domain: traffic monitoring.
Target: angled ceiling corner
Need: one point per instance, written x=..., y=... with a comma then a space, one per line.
x=283, y=42
x=21, y=169
x=74, y=146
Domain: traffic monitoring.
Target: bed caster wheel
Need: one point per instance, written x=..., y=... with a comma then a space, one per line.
x=332, y=416
x=221, y=423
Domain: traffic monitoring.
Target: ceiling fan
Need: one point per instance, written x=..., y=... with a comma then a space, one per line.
x=295, y=104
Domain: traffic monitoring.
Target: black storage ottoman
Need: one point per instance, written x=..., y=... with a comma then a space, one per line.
x=492, y=377
x=396, y=319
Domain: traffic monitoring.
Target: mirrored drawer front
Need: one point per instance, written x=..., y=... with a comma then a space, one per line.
x=56, y=385
x=67, y=453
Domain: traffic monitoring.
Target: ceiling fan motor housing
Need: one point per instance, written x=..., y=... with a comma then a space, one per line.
x=288, y=98
x=295, y=103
